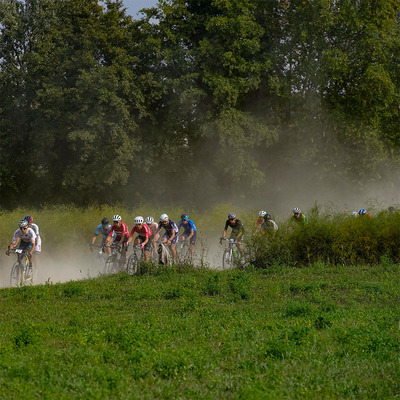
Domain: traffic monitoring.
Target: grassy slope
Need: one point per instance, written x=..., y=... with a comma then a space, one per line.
x=289, y=333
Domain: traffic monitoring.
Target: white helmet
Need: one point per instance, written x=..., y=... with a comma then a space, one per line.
x=138, y=220
x=262, y=214
x=117, y=218
x=296, y=211
x=354, y=214
x=164, y=217
x=23, y=223
x=149, y=220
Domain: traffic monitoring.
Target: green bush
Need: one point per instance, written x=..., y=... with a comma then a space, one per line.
x=331, y=239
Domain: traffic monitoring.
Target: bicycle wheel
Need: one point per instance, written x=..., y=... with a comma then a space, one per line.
x=227, y=259
x=132, y=265
x=110, y=264
x=17, y=274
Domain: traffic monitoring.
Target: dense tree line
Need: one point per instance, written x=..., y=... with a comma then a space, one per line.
x=199, y=97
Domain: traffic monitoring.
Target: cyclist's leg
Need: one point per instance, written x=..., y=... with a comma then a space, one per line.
x=173, y=246
x=193, y=243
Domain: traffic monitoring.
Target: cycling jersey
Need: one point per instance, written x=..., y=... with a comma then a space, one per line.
x=144, y=231
x=169, y=228
x=120, y=231
x=28, y=236
x=259, y=222
x=100, y=229
x=153, y=227
x=237, y=227
x=187, y=227
x=301, y=219
x=268, y=226
x=38, y=241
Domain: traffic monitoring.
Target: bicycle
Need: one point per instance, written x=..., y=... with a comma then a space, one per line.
x=113, y=262
x=231, y=254
x=183, y=251
x=134, y=259
x=99, y=260
x=21, y=272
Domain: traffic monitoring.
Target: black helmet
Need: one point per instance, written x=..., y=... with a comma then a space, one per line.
x=267, y=217
x=105, y=221
x=184, y=217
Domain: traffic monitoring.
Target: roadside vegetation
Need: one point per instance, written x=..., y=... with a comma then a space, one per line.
x=282, y=332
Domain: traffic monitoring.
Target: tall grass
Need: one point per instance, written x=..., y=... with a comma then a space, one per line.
x=334, y=238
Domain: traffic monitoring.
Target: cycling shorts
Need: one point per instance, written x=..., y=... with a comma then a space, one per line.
x=240, y=240
x=174, y=240
x=24, y=245
x=192, y=239
x=147, y=246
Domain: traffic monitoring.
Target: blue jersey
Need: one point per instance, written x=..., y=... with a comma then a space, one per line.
x=187, y=227
x=100, y=229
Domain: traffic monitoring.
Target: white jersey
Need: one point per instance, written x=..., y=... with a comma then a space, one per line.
x=38, y=242
x=28, y=236
x=35, y=229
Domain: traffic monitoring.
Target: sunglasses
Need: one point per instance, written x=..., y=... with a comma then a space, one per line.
x=232, y=219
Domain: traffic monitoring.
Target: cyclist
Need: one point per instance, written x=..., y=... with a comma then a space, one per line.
x=363, y=213
x=35, y=228
x=144, y=237
x=260, y=219
x=25, y=239
x=268, y=226
x=299, y=217
x=121, y=236
x=171, y=232
x=392, y=210
x=189, y=233
x=237, y=231
x=153, y=227
x=104, y=228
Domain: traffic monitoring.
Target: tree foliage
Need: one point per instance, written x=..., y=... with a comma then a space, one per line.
x=95, y=104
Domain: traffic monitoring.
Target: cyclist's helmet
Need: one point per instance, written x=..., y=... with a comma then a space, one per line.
x=117, y=218
x=262, y=214
x=362, y=211
x=267, y=217
x=391, y=209
x=28, y=218
x=354, y=214
x=149, y=220
x=296, y=211
x=138, y=220
x=231, y=215
x=23, y=223
x=105, y=221
x=163, y=217
x=184, y=217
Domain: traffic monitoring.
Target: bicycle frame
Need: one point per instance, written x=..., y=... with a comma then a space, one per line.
x=20, y=271
x=230, y=254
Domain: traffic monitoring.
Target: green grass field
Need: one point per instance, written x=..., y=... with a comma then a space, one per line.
x=318, y=332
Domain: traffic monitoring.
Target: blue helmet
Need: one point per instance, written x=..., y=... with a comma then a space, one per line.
x=184, y=217
x=28, y=218
x=362, y=211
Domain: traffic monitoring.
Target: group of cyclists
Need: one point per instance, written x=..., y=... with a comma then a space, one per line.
x=117, y=234
x=148, y=233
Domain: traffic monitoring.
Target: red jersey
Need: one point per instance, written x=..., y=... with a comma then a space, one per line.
x=120, y=231
x=259, y=222
x=144, y=231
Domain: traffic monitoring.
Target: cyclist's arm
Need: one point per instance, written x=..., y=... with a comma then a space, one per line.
x=94, y=239
x=32, y=248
